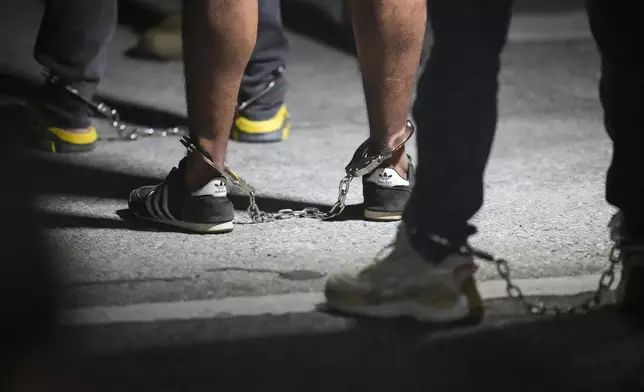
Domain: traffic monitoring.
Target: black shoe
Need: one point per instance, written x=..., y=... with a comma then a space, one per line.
x=386, y=193
x=208, y=210
x=630, y=290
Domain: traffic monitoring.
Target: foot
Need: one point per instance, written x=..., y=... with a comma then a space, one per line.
x=386, y=192
x=406, y=284
x=274, y=129
x=630, y=290
x=44, y=135
x=206, y=210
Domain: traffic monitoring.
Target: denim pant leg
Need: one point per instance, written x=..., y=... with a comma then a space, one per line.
x=456, y=114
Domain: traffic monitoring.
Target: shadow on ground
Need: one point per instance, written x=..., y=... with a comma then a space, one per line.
x=57, y=176
x=16, y=89
x=600, y=351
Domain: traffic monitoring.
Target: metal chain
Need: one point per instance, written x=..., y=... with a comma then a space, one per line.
x=131, y=132
x=539, y=308
x=125, y=131
x=361, y=164
x=259, y=216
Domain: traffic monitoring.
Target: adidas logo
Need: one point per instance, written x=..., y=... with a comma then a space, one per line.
x=387, y=178
x=219, y=188
x=384, y=178
x=216, y=188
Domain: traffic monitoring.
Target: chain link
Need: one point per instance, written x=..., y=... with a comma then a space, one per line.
x=606, y=280
x=124, y=130
x=258, y=216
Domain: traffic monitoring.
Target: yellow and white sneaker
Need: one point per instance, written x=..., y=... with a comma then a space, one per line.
x=405, y=284
x=271, y=130
x=50, y=138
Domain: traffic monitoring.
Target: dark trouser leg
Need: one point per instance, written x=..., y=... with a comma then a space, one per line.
x=618, y=30
x=72, y=44
x=271, y=49
x=456, y=114
x=28, y=286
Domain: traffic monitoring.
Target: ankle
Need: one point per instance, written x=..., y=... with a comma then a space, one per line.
x=197, y=172
x=399, y=162
x=398, y=159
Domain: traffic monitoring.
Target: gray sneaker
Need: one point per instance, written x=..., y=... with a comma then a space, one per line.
x=405, y=284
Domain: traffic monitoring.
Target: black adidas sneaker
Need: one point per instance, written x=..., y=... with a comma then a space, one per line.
x=386, y=193
x=207, y=210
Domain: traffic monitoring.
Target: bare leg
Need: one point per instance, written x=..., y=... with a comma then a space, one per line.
x=389, y=36
x=219, y=36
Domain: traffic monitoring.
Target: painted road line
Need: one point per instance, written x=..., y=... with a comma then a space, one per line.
x=288, y=303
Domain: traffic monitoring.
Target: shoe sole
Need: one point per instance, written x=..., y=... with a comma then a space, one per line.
x=202, y=228
x=59, y=146
x=281, y=134
x=382, y=216
x=423, y=313
x=468, y=309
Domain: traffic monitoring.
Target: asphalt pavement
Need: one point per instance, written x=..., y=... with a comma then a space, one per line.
x=544, y=211
x=544, y=197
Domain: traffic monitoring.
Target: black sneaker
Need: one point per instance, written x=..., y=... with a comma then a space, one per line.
x=630, y=290
x=208, y=210
x=386, y=193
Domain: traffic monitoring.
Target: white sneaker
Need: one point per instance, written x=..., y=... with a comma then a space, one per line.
x=405, y=284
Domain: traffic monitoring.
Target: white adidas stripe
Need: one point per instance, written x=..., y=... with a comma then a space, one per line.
x=148, y=205
x=157, y=204
x=164, y=204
